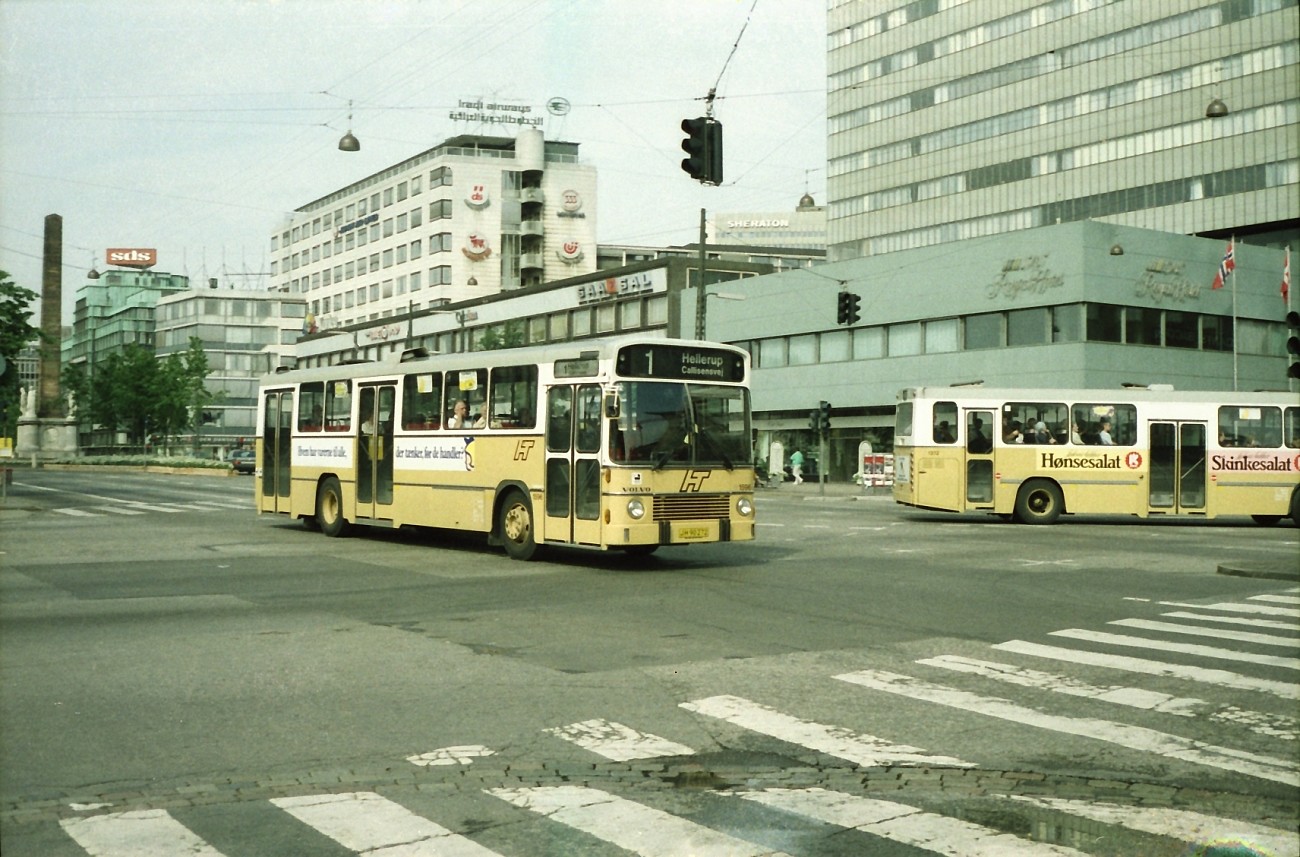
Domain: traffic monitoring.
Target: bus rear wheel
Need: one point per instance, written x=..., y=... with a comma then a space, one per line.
x=515, y=526
x=1039, y=502
x=329, y=508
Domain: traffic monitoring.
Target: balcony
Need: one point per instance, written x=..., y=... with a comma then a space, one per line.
x=532, y=194
x=530, y=260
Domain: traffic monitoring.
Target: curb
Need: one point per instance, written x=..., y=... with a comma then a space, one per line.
x=1265, y=570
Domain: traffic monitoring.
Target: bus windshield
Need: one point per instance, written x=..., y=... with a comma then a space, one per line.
x=662, y=423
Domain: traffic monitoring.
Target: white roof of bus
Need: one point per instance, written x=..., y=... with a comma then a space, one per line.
x=969, y=393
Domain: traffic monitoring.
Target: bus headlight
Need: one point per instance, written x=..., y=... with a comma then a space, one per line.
x=635, y=509
x=745, y=506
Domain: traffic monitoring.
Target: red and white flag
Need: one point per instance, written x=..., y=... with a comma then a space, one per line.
x=1286, y=276
x=1226, y=266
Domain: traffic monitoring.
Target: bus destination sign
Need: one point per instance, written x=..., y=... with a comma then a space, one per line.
x=680, y=362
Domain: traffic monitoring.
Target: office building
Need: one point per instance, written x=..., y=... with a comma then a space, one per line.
x=953, y=119
x=469, y=218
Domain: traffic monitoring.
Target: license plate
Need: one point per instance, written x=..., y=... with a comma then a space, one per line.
x=688, y=533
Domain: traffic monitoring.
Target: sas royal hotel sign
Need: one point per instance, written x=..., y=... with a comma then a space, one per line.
x=616, y=288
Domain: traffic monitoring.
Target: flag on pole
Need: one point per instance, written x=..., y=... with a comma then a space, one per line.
x=1226, y=266
x=1286, y=277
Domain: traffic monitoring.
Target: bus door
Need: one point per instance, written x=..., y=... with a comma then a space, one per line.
x=375, y=452
x=1177, y=471
x=573, y=422
x=980, y=426
x=277, y=445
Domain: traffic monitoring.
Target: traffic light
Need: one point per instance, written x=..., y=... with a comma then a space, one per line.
x=848, y=308
x=815, y=421
x=1293, y=344
x=824, y=417
x=703, y=145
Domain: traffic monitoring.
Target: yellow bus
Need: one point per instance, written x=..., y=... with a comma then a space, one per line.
x=1033, y=455
x=627, y=444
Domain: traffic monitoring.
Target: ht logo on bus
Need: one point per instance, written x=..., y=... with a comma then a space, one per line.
x=693, y=481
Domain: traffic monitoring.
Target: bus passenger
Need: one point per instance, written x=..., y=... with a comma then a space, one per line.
x=1012, y=433
x=460, y=419
x=977, y=442
x=1103, y=433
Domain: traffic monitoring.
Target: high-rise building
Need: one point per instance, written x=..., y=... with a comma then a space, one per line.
x=469, y=218
x=955, y=119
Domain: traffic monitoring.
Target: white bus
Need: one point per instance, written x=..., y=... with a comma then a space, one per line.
x=625, y=444
x=1033, y=455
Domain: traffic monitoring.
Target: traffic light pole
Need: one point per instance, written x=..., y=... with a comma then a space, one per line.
x=700, y=303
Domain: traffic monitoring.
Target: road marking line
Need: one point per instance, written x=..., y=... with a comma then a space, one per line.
x=1131, y=696
x=1276, y=599
x=835, y=741
x=1184, y=648
x=151, y=507
x=118, y=510
x=1183, y=825
x=1222, y=678
x=145, y=833
x=640, y=829
x=899, y=822
x=77, y=513
x=367, y=823
x=1226, y=607
x=1112, y=732
x=1234, y=620
x=460, y=755
x=1175, y=628
x=618, y=742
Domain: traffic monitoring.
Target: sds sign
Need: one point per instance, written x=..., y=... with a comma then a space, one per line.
x=131, y=257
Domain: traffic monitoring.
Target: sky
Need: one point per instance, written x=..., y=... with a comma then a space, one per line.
x=196, y=128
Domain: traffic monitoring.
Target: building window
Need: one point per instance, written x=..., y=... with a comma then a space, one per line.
x=941, y=336
x=771, y=353
x=1141, y=326
x=868, y=343
x=836, y=346
x=904, y=339
x=1027, y=326
x=1066, y=326
x=983, y=331
x=1105, y=323
x=1182, y=329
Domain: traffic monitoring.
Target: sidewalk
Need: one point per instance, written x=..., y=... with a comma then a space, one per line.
x=812, y=490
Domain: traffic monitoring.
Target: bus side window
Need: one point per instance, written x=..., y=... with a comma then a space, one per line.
x=338, y=406
x=945, y=422
x=311, y=406
x=421, y=393
x=514, y=397
x=1292, y=430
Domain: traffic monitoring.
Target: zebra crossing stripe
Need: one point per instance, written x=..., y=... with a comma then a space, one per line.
x=1137, y=738
x=1184, y=648
x=899, y=822
x=640, y=829
x=1229, y=607
x=153, y=507
x=77, y=513
x=835, y=741
x=370, y=824
x=118, y=510
x=618, y=742
x=1233, y=620
x=1276, y=599
x=144, y=833
x=1192, y=630
x=1222, y=678
x=1189, y=827
x=1131, y=696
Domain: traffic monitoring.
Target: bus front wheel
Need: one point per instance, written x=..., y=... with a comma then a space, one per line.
x=515, y=526
x=1039, y=502
x=329, y=508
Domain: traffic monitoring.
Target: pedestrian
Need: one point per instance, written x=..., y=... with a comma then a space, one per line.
x=796, y=466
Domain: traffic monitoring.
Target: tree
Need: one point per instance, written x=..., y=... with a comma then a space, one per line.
x=511, y=337
x=16, y=333
x=126, y=393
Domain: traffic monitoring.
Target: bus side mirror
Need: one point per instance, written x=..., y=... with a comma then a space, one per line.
x=611, y=406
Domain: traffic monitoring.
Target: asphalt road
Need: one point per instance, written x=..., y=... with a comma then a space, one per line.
x=178, y=674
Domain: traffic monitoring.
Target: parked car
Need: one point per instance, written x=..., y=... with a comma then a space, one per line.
x=243, y=460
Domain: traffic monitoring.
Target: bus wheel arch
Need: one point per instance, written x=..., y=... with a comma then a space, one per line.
x=514, y=523
x=329, y=507
x=1295, y=506
x=1039, y=501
